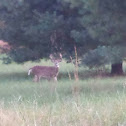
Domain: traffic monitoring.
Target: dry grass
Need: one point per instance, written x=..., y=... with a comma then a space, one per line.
x=100, y=101
x=70, y=113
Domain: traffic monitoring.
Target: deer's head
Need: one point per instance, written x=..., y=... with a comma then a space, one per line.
x=56, y=59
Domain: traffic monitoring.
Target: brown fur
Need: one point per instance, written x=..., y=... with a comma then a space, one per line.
x=47, y=72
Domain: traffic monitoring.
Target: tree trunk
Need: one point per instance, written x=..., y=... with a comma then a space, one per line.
x=117, y=69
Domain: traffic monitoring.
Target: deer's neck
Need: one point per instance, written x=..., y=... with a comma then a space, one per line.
x=57, y=65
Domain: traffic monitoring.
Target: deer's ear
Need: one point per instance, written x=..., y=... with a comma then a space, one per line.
x=51, y=57
x=60, y=55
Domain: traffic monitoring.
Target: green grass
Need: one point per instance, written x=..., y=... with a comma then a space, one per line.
x=100, y=100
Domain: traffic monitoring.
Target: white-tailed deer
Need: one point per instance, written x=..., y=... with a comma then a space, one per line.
x=48, y=72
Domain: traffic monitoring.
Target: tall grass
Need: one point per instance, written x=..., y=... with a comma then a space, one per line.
x=101, y=100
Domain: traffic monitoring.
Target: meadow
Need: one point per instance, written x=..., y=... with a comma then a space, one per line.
x=99, y=99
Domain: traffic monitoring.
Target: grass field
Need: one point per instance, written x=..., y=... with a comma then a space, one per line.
x=99, y=100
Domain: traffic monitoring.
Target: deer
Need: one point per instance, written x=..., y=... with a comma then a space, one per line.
x=47, y=72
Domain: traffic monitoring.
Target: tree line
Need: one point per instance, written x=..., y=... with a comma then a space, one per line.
x=34, y=29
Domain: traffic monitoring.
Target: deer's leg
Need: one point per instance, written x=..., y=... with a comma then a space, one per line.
x=49, y=78
x=35, y=78
x=55, y=78
x=39, y=78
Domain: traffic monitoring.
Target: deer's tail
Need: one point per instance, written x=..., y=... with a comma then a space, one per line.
x=30, y=70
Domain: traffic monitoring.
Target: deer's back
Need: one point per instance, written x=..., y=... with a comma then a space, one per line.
x=45, y=71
